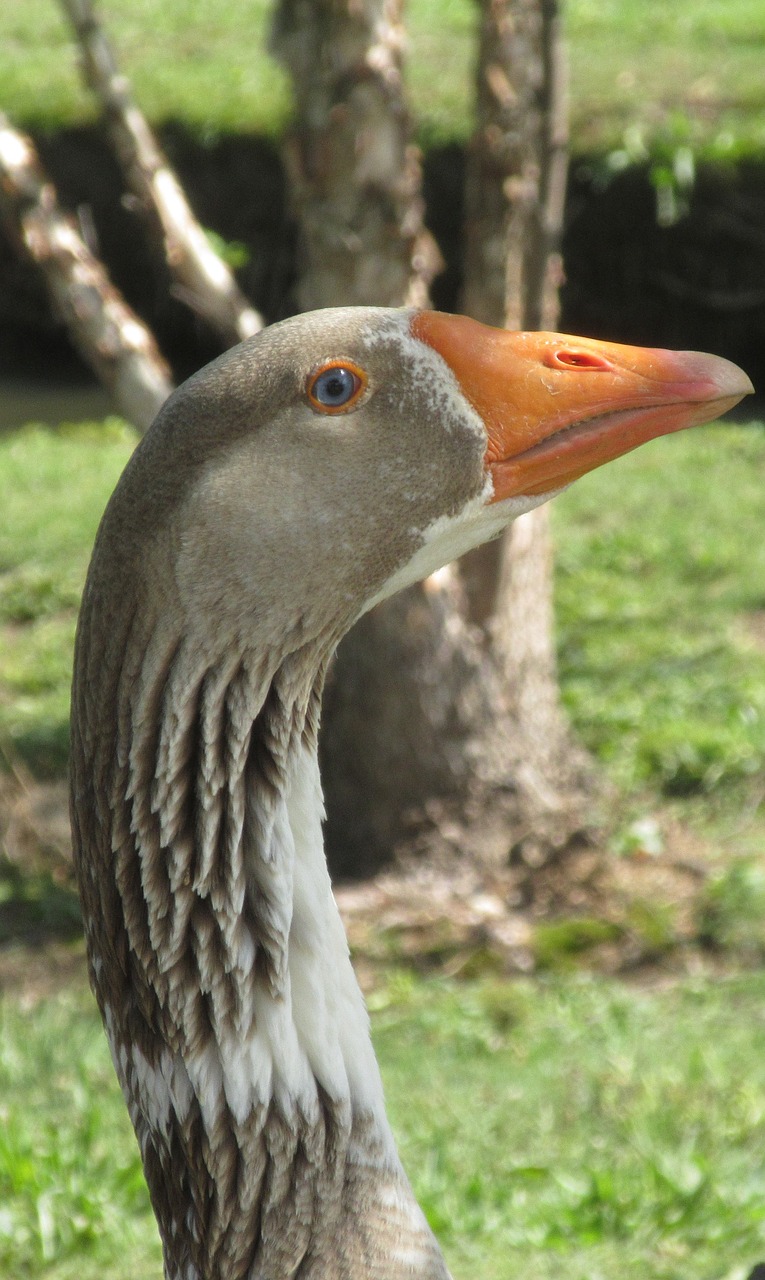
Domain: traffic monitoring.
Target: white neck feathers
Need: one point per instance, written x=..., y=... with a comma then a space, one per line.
x=327, y=1007
x=240, y=1036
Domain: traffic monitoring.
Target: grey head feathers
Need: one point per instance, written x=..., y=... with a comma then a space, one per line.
x=246, y=535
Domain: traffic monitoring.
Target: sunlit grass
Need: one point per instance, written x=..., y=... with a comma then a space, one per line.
x=570, y=1127
x=580, y=1129
x=685, y=67
x=53, y=488
x=661, y=606
x=660, y=601
x=632, y=65
x=73, y=1203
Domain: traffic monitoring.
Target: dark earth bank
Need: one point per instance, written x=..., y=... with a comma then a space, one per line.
x=699, y=283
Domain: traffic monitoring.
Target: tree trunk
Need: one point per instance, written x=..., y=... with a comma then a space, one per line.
x=543, y=261
x=515, y=191
x=422, y=746
x=517, y=163
x=354, y=172
x=355, y=185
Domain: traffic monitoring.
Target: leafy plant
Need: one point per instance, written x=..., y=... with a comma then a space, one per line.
x=731, y=910
x=557, y=943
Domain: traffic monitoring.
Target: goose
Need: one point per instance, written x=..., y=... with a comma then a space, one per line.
x=281, y=492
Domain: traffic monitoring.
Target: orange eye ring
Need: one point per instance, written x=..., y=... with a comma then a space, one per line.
x=336, y=386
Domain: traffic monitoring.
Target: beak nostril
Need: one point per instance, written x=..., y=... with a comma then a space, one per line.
x=571, y=358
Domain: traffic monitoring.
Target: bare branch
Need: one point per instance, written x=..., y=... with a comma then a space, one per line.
x=106, y=331
x=194, y=264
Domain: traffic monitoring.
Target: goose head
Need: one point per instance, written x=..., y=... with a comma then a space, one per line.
x=282, y=491
x=344, y=446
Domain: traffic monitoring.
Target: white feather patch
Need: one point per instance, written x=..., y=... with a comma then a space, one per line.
x=426, y=369
x=327, y=1006
x=449, y=537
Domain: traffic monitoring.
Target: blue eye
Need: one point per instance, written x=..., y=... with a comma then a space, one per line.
x=336, y=387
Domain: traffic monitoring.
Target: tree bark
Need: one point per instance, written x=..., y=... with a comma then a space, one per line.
x=517, y=164
x=354, y=172
x=425, y=745
x=534, y=270
x=104, y=329
x=502, y=163
x=355, y=186
x=204, y=280
x=515, y=190
x=543, y=260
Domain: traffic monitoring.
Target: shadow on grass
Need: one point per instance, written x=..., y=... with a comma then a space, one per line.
x=43, y=749
x=35, y=909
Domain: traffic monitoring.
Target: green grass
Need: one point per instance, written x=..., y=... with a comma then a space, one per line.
x=53, y=488
x=684, y=71
x=661, y=611
x=660, y=602
x=561, y=1128
x=578, y=1129
x=73, y=1203
x=218, y=79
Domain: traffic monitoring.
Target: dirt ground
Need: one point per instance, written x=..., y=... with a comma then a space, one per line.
x=634, y=914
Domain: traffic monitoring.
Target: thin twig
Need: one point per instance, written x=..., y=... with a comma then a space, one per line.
x=191, y=259
x=106, y=331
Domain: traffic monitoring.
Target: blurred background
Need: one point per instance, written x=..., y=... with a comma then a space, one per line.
x=572, y=1041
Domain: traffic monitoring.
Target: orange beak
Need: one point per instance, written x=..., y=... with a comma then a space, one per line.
x=556, y=407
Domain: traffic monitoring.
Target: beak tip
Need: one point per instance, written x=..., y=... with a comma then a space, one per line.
x=728, y=380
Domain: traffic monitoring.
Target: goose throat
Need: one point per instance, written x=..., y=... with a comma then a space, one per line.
x=243, y=1049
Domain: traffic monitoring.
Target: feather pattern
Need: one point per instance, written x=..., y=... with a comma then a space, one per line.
x=247, y=534
x=240, y=1039
x=217, y=954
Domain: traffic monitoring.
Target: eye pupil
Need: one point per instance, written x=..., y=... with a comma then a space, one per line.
x=334, y=387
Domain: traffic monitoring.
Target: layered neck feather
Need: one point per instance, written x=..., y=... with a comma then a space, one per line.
x=236, y=1024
